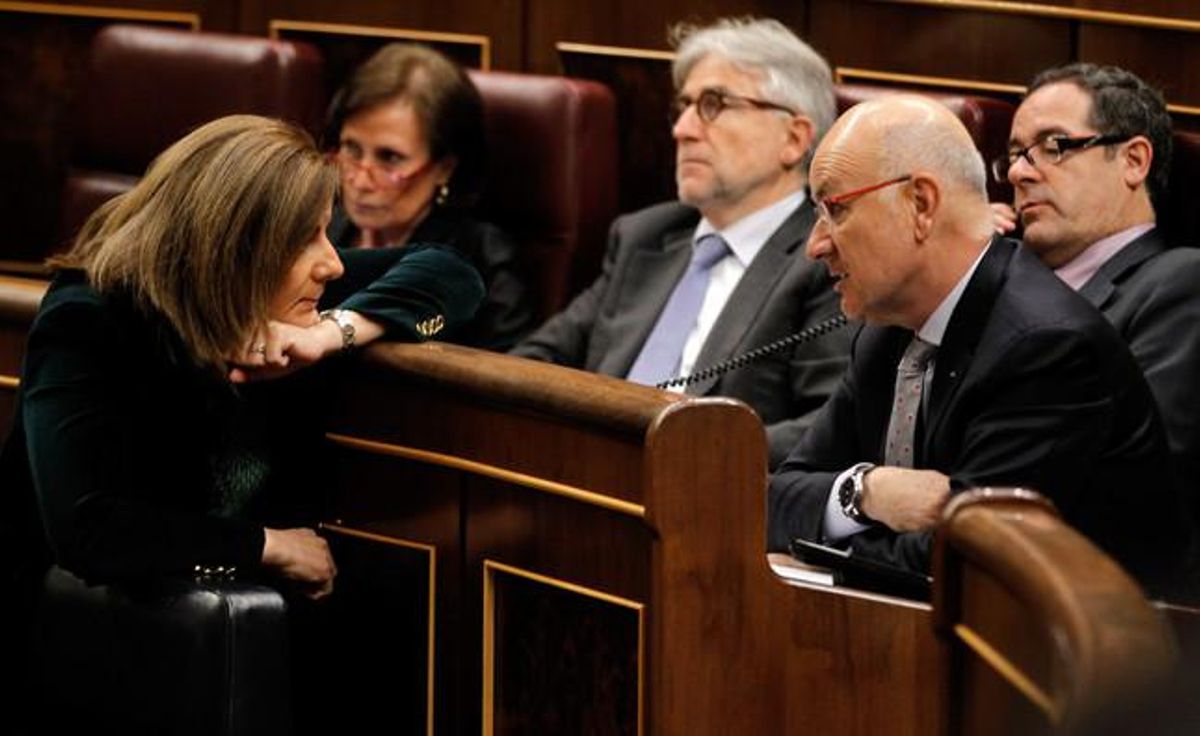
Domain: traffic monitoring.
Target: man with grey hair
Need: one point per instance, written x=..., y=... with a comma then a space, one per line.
x=688, y=284
x=977, y=366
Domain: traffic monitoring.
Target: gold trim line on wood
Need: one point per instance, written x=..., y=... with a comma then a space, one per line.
x=627, y=52
x=1009, y=672
x=404, y=34
x=491, y=471
x=1059, y=12
x=9, y=382
x=489, y=632
x=429, y=549
x=192, y=20
x=843, y=74
x=1183, y=109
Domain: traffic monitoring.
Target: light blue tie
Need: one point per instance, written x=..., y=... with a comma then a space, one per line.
x=660, y=356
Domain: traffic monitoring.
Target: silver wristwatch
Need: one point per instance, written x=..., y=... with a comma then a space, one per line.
x=851, y=492
x=341, y=318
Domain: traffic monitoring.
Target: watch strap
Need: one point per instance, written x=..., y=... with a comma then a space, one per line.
x=341, y=318
x=850, y=493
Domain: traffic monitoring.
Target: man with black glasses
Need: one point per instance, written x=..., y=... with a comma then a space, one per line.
x=688, y=284
x=1088, y=159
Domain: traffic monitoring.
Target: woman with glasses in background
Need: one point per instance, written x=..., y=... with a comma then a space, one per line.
x=407, y=130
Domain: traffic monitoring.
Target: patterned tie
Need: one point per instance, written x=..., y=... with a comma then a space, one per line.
x=660, y=356
x=906, y=404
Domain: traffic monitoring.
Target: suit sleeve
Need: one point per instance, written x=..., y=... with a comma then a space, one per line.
x=1164, y=336
x=799, y=488
x=815, y=371
x=84, y=450
x=564, y=338
x=402, y=288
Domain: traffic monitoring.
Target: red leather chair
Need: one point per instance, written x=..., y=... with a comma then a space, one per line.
x=987, y=119
x=145, y=87
x=552, y=175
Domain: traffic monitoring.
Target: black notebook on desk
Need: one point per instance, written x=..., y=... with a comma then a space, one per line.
x=853, y=571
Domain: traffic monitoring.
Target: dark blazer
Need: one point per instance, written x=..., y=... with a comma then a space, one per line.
x=1151, y=294
x=782, y=291
x=1031, y=387
x=127, y=460
x=508, y=312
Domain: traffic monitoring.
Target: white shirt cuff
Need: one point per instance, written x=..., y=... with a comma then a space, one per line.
x=838, y=526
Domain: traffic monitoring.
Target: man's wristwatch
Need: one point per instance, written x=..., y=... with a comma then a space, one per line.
x=850, y=493
x=341, y=318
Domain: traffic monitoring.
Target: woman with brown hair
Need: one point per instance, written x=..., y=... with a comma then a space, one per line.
x=407, y=129
x=141, y=439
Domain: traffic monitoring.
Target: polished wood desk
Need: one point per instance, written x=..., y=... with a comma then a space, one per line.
x=529, y=549
x=1046, y=634
x=594, y=558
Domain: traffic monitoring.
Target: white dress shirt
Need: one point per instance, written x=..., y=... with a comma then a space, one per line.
x=837, y=525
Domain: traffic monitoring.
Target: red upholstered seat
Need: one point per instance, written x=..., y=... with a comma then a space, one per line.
x=552, y=175
x=146, y=86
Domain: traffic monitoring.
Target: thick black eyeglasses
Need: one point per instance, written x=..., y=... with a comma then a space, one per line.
x=1050, y=150
x=712, y=102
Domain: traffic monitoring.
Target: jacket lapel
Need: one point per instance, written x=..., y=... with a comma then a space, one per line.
x=1100, y=287
x=647, y=283
x=752, y=293
x=962, y=334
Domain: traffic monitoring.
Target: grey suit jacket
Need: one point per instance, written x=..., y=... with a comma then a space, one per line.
x=782, y=291
x=1151, y=294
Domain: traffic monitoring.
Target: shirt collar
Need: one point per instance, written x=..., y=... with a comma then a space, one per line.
x=935, y=326
x=747, y=236
x=1080, y=269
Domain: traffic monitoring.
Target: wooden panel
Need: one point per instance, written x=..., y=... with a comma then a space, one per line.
x=724, y=644
x=938, y=42
x=545, y=638
x=634, y=23
x=19, y=299
x=345, y=47
x=371, y=649
x=641, y=82
x=1159, y=57
x=1151, y=13
x=1046, y=633
x=499, y=20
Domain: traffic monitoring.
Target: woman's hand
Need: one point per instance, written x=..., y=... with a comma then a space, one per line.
x=282, y=348
x=1004, y=218
x=302, y=556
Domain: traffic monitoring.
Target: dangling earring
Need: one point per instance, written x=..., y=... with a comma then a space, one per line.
x=443, y=194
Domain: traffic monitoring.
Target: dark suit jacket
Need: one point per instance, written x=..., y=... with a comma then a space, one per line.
x=1151, y=294
x=782, y=291
x=131, y=461
x=508, y=312
x=1031, y=387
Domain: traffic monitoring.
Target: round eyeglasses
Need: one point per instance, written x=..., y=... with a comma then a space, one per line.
x=712, y=102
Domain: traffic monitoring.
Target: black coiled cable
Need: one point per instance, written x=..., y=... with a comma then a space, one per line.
x=756, y=354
